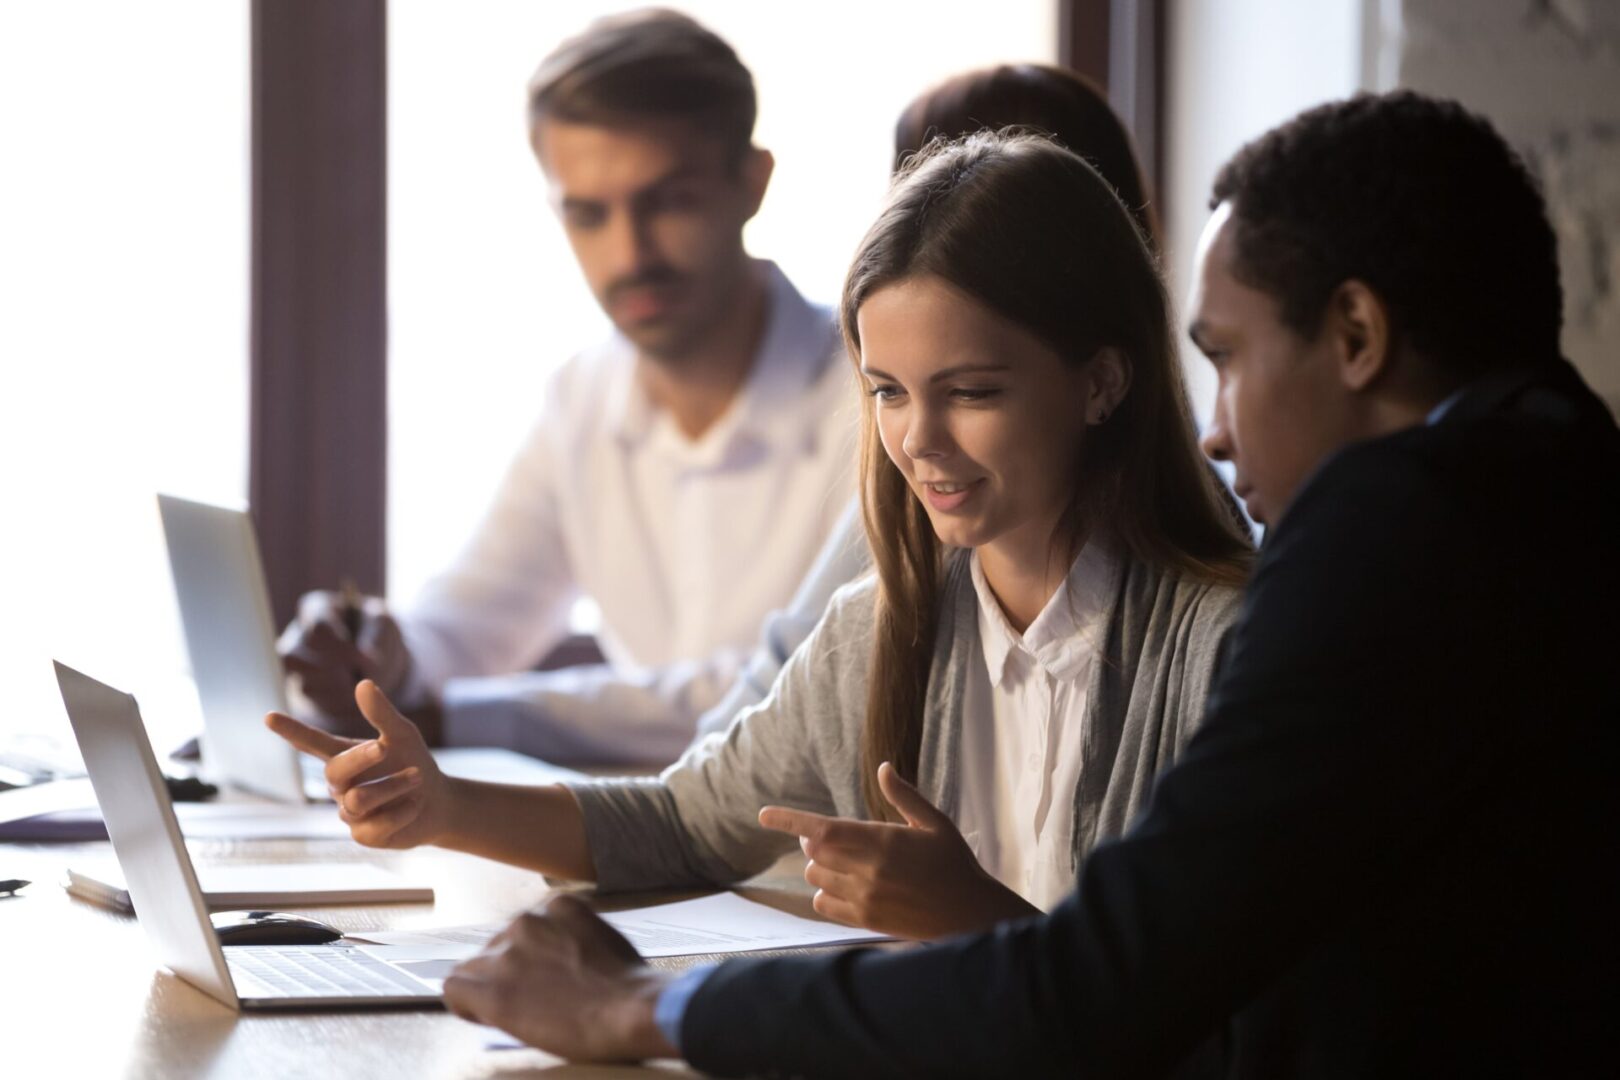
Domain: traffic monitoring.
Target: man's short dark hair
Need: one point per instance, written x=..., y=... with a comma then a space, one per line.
x=1419, y=199
x=649, y=63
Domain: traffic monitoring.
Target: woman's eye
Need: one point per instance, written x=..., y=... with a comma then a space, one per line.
x=975, y=393
x=885, y=391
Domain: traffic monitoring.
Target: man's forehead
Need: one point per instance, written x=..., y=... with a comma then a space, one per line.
x=1214, y=251
x=1221, y=298
x=1209, y=262
x=599, y=160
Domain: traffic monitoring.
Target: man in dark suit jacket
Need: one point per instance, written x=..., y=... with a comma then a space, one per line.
x=1390, y=848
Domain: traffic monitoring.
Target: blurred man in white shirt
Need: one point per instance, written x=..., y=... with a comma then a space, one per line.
x=683, y=473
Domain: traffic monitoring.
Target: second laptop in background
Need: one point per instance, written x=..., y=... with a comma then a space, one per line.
x=230, y=635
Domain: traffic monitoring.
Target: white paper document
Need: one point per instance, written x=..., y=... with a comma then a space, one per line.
x=726, y=923
x=722, y=923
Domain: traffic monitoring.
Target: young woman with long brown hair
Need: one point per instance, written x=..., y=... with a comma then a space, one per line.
x=1055, y=570
x=1039, y=98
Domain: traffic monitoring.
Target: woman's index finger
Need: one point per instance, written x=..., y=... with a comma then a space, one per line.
x=321, y=744
x=803, y=823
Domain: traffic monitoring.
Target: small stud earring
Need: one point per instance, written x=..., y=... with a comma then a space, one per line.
x=1102, y=416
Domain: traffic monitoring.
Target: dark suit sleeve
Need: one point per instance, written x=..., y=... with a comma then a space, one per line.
x=1326, y=759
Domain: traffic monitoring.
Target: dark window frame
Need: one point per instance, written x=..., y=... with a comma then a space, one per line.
x=318, y=405
x=1120, y=45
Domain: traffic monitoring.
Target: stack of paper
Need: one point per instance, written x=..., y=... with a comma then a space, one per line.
x=719, y=924
x=710, y=925
x=726, y=923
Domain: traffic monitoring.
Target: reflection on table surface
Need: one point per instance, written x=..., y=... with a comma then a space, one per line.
x=80, y=994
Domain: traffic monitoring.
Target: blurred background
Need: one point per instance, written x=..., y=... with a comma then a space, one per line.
x=296, y=253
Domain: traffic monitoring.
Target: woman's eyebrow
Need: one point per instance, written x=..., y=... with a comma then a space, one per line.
x=950, y=372
x=967, y=369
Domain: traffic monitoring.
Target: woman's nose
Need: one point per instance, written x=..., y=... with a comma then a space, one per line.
x=925, y=435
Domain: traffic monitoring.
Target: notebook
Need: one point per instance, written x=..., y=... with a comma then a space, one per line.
x=282, y=885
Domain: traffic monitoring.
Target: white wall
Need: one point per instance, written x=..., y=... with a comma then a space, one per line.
x=1548, y=76
x=1235, y=69
x=123, y=333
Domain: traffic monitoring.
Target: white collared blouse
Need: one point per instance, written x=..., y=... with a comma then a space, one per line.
x=1023, y=731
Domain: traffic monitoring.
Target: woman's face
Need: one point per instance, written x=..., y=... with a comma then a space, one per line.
x=983, y=419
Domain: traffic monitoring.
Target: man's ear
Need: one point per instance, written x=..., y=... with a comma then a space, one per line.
x=1358, y=322
x=757, y=166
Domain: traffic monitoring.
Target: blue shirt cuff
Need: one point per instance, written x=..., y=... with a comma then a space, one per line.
x=671, y=1007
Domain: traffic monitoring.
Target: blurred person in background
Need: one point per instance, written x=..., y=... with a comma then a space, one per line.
x=683, y=473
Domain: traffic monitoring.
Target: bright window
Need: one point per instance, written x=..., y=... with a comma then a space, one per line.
x=1237, y=68
x=123, y=339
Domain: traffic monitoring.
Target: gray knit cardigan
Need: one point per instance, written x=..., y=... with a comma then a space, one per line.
x=696, y=824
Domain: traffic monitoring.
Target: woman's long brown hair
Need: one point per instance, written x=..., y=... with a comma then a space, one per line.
x=1031, y=231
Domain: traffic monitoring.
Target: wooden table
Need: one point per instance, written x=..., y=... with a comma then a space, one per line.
x=81, y=996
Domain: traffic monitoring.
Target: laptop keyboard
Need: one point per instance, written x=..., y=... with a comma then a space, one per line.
x=277, y=971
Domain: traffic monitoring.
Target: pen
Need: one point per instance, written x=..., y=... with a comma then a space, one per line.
x=349, y=610
x=11, y=887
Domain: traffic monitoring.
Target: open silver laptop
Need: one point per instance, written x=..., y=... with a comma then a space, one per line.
x=225, y=609
x=163, y=883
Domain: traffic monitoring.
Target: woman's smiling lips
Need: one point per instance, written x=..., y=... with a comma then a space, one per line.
x=947, y=496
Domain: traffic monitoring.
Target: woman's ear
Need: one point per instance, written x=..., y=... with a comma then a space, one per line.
x=1109, y=374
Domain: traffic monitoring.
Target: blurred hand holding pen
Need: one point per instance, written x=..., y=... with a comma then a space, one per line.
x=339, y=638
x=351, y=610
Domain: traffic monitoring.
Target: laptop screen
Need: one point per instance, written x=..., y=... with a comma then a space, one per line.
x=145, y=835
x=225, y=607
